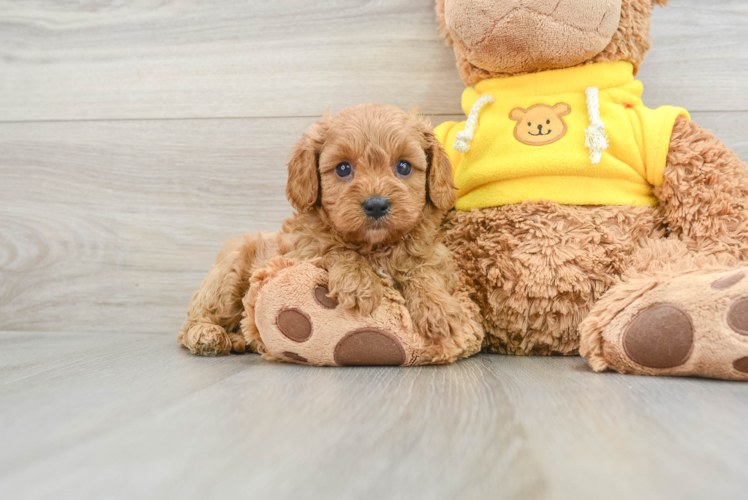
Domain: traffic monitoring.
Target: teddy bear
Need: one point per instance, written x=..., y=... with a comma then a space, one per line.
x=585, y=222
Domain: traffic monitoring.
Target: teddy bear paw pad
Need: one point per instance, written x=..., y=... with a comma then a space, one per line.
x=728, y=282
x=322, y=296
x=292, y=356
x=694, y=325
x=660, y=336
x=294, y=324
x=299, y=322
x=737, y=317
x=369, y=347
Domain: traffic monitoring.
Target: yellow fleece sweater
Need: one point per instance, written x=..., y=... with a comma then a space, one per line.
x=532, y=142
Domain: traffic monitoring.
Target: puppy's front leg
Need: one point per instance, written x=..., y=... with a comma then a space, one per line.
x=435, y=312
x=353, y=282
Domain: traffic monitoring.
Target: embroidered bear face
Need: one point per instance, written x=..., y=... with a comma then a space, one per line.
x=541, y=124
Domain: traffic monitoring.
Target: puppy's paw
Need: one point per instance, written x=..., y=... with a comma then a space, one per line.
x=238, y=343
x=439, y=317
x=206, y=339
x=356, y=292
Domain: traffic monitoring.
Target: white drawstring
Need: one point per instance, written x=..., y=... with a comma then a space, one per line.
x=464, y=138
x=596, y=140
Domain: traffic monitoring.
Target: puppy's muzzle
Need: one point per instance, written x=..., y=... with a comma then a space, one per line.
x=376, y=207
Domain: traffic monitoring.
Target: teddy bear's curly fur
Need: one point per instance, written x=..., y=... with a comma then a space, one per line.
x=538, y=270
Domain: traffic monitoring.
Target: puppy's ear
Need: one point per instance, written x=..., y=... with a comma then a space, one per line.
x=440, y=190
x=661, y=3
x=303, y=187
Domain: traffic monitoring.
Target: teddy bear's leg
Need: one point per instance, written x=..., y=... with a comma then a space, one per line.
x=297, y=322
x=676, y=313
x=212, y=325
x=704, y=196
x=537, y=268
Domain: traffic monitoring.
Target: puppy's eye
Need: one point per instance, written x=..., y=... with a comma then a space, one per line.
x=344, y=169
x=404, y=168
x=529, y=124
x=548, y=122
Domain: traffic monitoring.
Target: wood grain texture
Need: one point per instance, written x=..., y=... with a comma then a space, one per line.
x=113, y=206
x=134, y=416
x=180, y=59
x=102, y=224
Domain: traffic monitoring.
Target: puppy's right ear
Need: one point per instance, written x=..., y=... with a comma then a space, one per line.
x=303, y=187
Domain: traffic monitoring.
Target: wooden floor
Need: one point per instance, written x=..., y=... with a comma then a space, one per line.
x=135, y=137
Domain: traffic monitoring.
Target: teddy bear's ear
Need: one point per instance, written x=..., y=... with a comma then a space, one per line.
x=518, y=114
x=442, y=21
x=562, y=109
x=303, y=189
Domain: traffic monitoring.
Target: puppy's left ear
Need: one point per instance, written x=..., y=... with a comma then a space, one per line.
x=440, y=188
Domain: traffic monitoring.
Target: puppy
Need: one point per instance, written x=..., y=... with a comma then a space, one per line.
x=370, y=188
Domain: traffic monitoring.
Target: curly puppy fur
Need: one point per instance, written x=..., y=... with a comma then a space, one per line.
x=362, y=255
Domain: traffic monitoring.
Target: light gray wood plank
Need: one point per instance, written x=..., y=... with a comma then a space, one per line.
x=173, y=59
x=111, y=226
x=58, y=390
x=699, y=56
x=131, y=418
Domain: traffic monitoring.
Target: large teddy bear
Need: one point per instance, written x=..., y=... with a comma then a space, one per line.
x=585, y=221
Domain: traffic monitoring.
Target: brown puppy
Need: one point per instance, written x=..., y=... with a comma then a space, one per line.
x=370, y=187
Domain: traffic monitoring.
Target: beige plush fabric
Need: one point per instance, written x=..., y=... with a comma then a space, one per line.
x=296, y=323
x=512, y=36
x=629, y=42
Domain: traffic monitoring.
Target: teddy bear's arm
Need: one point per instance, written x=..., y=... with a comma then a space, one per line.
x=704, y=195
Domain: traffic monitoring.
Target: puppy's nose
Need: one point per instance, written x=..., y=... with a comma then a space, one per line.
x=376, y=207
x=540, y=128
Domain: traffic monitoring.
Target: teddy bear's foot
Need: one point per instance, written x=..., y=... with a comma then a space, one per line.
x=695, y=324
x=299, y=323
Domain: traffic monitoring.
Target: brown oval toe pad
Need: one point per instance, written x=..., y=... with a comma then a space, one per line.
x=737, y=317
x=322, y=296
x=369, y=347
x=295, y=357
x=741, y=365
x=728, y=282
x=660, y=336
x=294, y=324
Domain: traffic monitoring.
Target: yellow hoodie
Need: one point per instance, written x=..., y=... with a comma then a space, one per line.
x=576, y=136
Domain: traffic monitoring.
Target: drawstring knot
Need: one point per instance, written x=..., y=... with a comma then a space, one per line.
x=595, y=138
x=464, y=138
